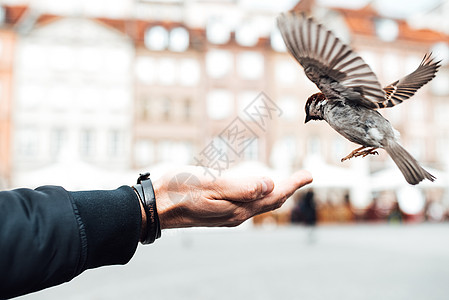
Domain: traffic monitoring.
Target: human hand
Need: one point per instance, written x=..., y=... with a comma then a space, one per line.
x=191, y=198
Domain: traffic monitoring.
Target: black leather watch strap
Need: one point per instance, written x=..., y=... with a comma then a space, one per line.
x=145, y=191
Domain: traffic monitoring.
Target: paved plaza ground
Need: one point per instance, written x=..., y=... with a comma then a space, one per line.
x=377, y=261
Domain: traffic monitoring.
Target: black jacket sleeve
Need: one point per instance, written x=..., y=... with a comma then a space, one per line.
x=49, y=235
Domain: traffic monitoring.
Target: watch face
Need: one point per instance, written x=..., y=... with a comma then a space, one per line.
x=184, y=187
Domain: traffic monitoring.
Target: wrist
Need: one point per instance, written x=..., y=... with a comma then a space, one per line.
x=169, y=212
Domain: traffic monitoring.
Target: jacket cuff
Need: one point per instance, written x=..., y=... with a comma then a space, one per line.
x=110, y=222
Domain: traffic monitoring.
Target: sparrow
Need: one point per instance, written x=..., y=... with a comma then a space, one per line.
x=350, y=91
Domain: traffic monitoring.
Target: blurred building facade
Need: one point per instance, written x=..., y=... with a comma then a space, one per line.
x=73, y=93
x=7, y=46
x=146, y=82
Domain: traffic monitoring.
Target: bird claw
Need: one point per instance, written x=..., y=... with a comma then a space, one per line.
x=358, y=152
x=346, y=158
x=368, y=152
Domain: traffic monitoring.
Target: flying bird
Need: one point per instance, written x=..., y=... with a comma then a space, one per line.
x=350, y=91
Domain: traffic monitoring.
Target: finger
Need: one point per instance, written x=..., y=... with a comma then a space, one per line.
x=242, y=189
x=281, y=192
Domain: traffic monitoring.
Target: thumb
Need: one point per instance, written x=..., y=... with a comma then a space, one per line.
x=243, y=189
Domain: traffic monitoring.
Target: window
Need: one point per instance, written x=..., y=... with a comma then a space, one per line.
x=87, y=143
x=290, y=108
x=187, y=109
x=182, y=152
x=115, y=143
x=218, y=32
x=244, y=100
x=439, y=85
x=189, y=72
x=27, y=142
x=57, y=138
x=247, y=35
x=250, y=65
x=156, y=38
x=179, y=39
x=218, y=63
x=144, y=152
x=313, y=145
x=283, y=153
x=216, y=154
x=338, y=148
x=2, y=15
x=146, y=108
x=164, y=151
x=251, y=152
x=219, y=104
x=286, y=72
x=387, y=30
x=441, y=50
x=145, y=69
x=174, y=152
x=165, y=108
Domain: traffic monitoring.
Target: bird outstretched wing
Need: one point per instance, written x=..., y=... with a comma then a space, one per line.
x=328, y=62
x=407, y=86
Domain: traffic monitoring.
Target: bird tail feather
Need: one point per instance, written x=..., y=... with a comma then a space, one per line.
x=407, y=164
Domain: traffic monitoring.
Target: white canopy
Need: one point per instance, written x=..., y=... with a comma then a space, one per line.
x=392, y=178
x=74, y=175
x=328, y=176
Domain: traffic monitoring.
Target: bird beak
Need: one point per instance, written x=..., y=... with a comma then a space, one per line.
x=308, y=118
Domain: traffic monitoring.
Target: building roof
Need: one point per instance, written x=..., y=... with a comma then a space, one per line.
x=363, y=22
x=360, y=22
x=14, y=13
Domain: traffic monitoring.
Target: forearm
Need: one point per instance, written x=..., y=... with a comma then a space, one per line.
x=112, y=221
x=49, y=235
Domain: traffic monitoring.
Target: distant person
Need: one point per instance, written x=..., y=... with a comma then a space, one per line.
x=305, y=210
x=49, y=235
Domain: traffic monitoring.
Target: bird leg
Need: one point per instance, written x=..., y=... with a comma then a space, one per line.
x=358, y=152
x=368, y=152
x=352, y=154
